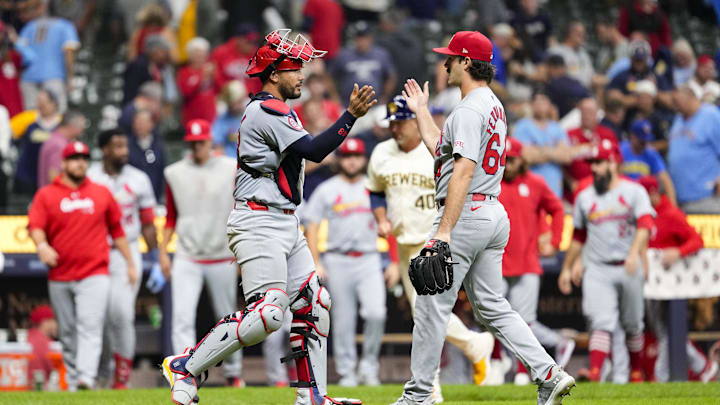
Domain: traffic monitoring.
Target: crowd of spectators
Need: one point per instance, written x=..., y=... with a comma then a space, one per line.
x=641, y=87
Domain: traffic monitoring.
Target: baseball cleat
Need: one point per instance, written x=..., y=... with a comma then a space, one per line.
x=564, y=351
x=341, y=401
x=558, y=385
x=183, y=385
x=405, y=401
x=348, y=381
x=483, y=347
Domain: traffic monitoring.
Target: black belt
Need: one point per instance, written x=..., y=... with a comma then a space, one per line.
x=475, y=197
x=615, y=263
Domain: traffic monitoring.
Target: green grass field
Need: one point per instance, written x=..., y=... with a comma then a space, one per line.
x=585, y=394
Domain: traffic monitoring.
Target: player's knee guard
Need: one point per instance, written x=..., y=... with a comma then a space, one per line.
x=242, y=328
x=309, y=330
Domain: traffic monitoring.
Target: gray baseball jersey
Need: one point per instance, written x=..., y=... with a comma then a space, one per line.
x=263, y=141
x=346, y=206
x=610, y=220
x=133, y=192
x=475, y=130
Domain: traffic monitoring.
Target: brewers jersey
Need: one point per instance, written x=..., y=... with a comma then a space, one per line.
x=610, y=220
x=133, y=192
x=474, y=130
x=408, y=184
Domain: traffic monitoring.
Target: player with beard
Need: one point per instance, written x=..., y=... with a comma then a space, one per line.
x=278, y=271
x=612, y=221
x=71, y=221
x=351, y=264
x=134, y=194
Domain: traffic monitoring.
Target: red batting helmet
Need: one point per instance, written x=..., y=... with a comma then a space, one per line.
x=281, y=53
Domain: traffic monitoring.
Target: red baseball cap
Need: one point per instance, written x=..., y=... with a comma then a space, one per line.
x=606, y=150
x=197, y=130
x=41, y=313
x=513, y=147
x=650, y=183
x=74, y=149
x=703, y=59
x=352, y=146
x=472, y=44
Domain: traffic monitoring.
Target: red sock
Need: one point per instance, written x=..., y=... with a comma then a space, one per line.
x=521, y=367
x=497, y=351
x=635, y=346
x=599, y=348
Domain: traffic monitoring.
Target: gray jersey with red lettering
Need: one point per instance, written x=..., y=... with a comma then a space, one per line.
x=263, y=141
x=475, y=130
x=346, y=206
x=610, y=220
x=133, y=192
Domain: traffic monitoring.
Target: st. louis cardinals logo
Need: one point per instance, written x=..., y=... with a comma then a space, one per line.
x=294, y=123
x=86, y=205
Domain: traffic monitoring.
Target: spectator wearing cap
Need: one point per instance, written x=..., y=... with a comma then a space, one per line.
x=564, y=91
x=365, y=64
x=683, y=62
x=678, y=240
x=70, y=221
x=149, y=97
x=645, y=16
x=614, y=117
x=640, y=159
x=659, y=118
x=152, y=19
x=534, y=28
x=704, y=82
x=232, y=57
x=153, y=65
x=14, y=56
x=577, y=60
x=613, y=44
x=225, y=127
x=694, y=153
x=623, y=85
x=324, y=21
x=31, y=140
x=583, y=140
x=546, y=145
x=43, y=332
x=147, y=152
x=199, y=201
x=69, y=130
x=198, y=83
x=54, y=41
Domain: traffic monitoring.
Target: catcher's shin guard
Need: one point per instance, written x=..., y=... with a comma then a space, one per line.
x=243, y=328
x=308, y=337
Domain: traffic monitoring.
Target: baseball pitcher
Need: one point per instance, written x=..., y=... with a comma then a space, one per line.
x=264, y=233
x=469, y=157
x=402, y=194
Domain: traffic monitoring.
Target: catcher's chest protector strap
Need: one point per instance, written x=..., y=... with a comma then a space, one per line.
x=287, y=176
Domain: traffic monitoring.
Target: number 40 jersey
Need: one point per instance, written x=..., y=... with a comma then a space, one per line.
x=407, y=180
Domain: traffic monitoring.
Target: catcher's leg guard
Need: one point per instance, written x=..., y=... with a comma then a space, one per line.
x=243, y=328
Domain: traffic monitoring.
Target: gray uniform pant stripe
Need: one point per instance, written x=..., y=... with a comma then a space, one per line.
x=80, y=308
x=187, y=280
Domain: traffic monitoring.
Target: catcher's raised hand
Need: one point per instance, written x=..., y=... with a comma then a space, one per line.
x=361, y=100
x=432, y=272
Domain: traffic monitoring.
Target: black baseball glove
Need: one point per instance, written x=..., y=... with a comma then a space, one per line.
x=432, y=274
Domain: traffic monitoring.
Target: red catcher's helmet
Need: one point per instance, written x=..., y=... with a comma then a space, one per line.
x=282, y=53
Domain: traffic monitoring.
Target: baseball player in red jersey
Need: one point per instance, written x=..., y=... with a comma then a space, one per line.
x=612, y=221
x=264, y=232
x=527, y=200
x=70, y=221
x=677, y=239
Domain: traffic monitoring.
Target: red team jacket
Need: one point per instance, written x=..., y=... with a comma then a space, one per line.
x=672, y=230
x=527, y=199
x=77, y=223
